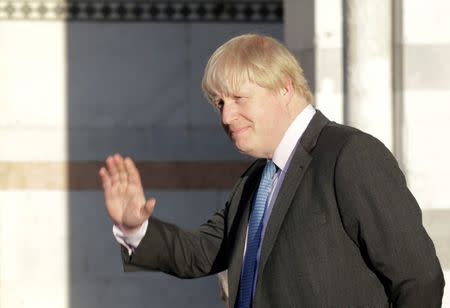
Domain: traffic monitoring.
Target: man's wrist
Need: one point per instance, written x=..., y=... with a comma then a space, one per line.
x=130, y=239
x=127, y=231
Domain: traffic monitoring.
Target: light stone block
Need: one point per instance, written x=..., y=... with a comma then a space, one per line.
x=34, y=255
x=446, y=299
x=329, y=88
x=430, y=188
x=426, y=146
x=426, y=67
x=328, y=24
x=329, y=103
x=32, y=91
x=26, y=294
x=32, y=74
x=42, y=143
x=426, y=22
x=437, y=222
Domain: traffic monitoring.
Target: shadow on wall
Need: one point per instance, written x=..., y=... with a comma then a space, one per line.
x=134, y=88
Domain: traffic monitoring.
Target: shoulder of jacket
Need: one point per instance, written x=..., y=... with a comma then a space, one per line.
x=336, y=133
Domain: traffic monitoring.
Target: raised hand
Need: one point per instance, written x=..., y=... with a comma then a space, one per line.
x=124, y=194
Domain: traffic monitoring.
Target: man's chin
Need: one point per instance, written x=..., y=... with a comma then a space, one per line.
x=245, y=151
x=240, y=148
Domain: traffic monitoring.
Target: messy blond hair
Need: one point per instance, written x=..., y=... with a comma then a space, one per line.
x=255, y=58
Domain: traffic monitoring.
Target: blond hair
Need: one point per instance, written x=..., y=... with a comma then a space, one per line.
x=255, y=58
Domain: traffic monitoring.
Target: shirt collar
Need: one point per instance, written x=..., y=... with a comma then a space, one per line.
x=291, y=136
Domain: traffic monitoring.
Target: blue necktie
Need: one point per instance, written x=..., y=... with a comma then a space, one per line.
x=255, y=225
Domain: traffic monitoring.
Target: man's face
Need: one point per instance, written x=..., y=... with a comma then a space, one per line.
x=254, y=118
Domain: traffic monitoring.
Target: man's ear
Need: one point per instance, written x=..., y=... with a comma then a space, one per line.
x=287, y=91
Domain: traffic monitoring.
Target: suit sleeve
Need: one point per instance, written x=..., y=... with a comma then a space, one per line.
x=182, y=253
x=382, y=217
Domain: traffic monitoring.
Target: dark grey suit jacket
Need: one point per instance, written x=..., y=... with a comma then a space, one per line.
x=345, y=231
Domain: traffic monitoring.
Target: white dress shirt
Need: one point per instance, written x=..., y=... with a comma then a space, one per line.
x=281, y=157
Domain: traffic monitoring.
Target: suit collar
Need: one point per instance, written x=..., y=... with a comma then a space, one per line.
x=286, y=147
x=294, y=175
x=247, y=188
x=312, y=132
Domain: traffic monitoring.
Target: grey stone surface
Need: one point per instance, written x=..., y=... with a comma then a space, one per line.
x=127, y=74
x=153, y=143
x=96, y=276
x=153, y=290
x=136, y=89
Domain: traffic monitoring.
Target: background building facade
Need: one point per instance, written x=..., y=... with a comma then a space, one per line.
x=80, y=80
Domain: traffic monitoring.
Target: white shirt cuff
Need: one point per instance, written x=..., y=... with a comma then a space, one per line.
x=130, y=240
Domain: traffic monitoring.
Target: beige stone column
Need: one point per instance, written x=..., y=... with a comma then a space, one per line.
x=313, y=32
x=33, y=222
x=368, y=67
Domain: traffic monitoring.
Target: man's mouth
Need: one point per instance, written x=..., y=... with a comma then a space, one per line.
x=237, y=131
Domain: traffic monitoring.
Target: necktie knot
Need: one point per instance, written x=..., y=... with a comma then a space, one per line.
x=269, y=171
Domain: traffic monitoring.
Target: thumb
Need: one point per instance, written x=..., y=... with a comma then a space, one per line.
x=147, y=209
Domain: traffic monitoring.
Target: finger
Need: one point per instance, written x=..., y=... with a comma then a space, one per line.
x=112, y=170
x=133, y=172
x=123, y=175
x=105, y=177
x=106, y=183
x=147, y=210
x=118, y=159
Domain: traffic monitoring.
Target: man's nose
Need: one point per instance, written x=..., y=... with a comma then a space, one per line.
x=228, y=113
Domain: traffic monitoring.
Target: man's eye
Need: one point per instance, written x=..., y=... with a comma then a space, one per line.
x=239, y=99
x=219, y=104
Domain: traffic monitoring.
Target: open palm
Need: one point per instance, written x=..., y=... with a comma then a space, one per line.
x=124, y=193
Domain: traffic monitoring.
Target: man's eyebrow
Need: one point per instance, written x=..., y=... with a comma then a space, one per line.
x=240, y=94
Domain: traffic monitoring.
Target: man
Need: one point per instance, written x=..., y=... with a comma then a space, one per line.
x=322, y=218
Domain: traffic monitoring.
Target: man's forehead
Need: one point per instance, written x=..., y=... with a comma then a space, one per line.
x=245, y=87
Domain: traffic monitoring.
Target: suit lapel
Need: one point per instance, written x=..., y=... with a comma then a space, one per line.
x=294, y=175
x=240, y=210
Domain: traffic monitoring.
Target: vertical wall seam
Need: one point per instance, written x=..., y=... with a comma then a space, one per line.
x=397, y=81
